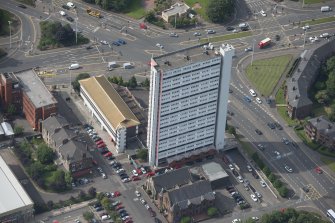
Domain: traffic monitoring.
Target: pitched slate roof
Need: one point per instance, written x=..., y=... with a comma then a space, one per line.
x=73, y=150
x=324, y=126
x=194, y=193
x=54, y=122
x=171, y=179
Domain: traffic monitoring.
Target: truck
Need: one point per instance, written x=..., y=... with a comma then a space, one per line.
x=94, y=13
x=265, y=42
x=325, y=9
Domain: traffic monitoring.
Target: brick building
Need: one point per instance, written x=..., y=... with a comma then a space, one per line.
x=29, y=95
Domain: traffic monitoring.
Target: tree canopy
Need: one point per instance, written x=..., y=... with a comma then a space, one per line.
x=45, y=154
x=220, y=10
x=142, y=154
x=75, y=83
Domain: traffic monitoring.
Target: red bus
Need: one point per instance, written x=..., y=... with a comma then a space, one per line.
x=265, y=42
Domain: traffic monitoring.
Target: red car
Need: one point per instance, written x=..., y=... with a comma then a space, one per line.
x=139, y=171
x=119, y=207
x=99, y=142
x=150, y=174
x=318, y=170
x=116, y=194
x=135, y=178
x=108, y=154
x=101, y=145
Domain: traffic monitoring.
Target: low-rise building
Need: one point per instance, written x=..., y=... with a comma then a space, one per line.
x=321, y=130
x=73, y=154
x=107, y=107
x=26, y=92
x=176, y=10
x=181, y=192
x=15, y=204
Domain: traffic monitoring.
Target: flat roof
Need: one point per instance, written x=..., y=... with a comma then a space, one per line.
x=109, y=101
x=177, y=8
x=184, y=57
x=12, y=194
x=214, y=171
x=35, y=89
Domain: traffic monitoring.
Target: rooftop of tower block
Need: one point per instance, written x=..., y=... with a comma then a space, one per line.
x=188, y=55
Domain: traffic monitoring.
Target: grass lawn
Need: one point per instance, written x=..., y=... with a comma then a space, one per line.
x=201, y=11
x=265, y=74
x=226, y=37
x=280, y=98
x=313, y=1
x=318, y=21
x=329, y=162
x=136, y=9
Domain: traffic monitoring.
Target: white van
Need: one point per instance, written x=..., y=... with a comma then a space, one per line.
x=325, y=9
x=127, y=66
x=105, y=217
x=71, y=5
x=74, y=66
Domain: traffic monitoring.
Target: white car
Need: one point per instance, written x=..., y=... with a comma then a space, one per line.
x=258, y=194
x=62, y=13
x=324, y=35
x=125, y=218
x=138, y=194
x=173, y=35
x=288, y=169
x=71, y=5
x=306, y=27
x=240, y=179
x=147, y=206
x=255, y=218
x=249, y=168
x=104, y=175
x=253, y=197
x=313, y=39
x=259, y=101
x=263, y=184
x=143, y=170
x=248, y=49
x=262, y=13
x=252, y=92
x=231, y=167
x=120, y=170
x=236, y=220
x=159, y=46
x=134, y=172
x=196, y=34
x=125, y=180
x=103, y=42
x=143, y=201
x=210, y=31
x=277, y=153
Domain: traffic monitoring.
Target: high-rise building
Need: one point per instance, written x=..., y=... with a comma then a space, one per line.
x=188, y=101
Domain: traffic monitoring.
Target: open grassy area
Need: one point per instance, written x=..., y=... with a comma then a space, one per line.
x=136, y=9
x=226, y=37
x=313, y=1
x=280, y=97
x=318, y=21
x=329, y=162
x=203, y=5
x=265, y=74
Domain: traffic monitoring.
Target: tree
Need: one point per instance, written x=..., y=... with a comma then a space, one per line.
x=277, y=183
x=82, y=195
x=132, y=83
x=75, y=83
x=57, y=181
x=45, y=154
x=68, y=178
x=120, y=81
x=106, y=203
x=283, y=191
x=146, y=83
x=11, y=109
x=36, y=170
x=150, y=17
x=185, y=219
x=322, y=97
x=88, y=215
x=50, y=204
x=142, y=154
x=266, y=171
x=220, y=10
x=212, y=211
x=231, y=130
x=330, y=83
x=92, y=191
x=100, y=196
x=272, y=177
x=18, y=130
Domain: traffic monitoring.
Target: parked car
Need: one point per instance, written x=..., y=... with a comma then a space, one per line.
x=259, y=132
x=262, y=13
x=258, y=194
x=196, y=34
x=249, y=168
x=230, y=28
x=211, y=31
x=263, y=184
x=258, y=100
x=173, y=35
x=135, y=178
x=134, y=172
x=22, y=6
x=278, y=126
x=116, y=194
x=101, y=145
x=121, y=41
x=271, y=125
x=116, y=43
x=288, y=169
x=138, y=194
x=69, y=18
x=159, y=46
x=240, y=179
x=253, y=197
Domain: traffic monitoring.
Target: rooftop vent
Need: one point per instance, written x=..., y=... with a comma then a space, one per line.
x=187, y=57
x=167, y=63
x=294, y=88
x=296, y=97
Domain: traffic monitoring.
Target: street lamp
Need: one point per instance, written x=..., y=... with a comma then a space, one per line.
x=10, y=34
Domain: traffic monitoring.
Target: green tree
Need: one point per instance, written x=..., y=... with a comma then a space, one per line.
x=330, y=83
x=100, y=196
x=50, y=204
x=220, y=10
x=283, y=191
x=18, y=130
x=277, y=183
x=120, y=81
x=88, y=215
x=322, y=97
x=11, y=110
x=132, y=83
x=231, y=130
x=142, y=154
x=36, y=170
x=266, y=171
x=185, y=219
x=212, y=211
x=272, y=177
x=75, y=83
x=92, y=191
x=45, y=154
x=57, y=181
x=106, y=203
x=150, y=17
x=68, y=178
x=146, y=83
x=331, y=64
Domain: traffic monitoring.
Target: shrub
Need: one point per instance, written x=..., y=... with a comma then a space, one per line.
x=266, y=171
x=277, y=183
x=272, y=177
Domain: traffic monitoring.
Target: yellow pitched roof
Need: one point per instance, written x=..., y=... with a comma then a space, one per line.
x=109, y=102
